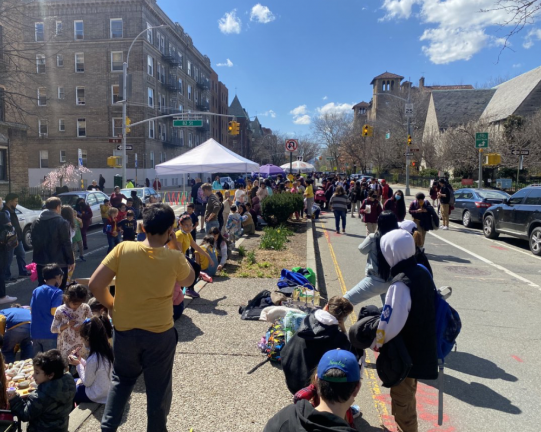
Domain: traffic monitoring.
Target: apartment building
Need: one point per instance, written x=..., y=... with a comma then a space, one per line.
x=80, y=47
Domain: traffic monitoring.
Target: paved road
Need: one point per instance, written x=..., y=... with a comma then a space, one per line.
x=492, y=382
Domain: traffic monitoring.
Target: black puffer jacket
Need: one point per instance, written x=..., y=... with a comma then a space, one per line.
x=14, y=221
x=302, y=353
x=51, y=240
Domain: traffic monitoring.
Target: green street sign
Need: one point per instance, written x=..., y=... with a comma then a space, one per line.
x=187, y=123
x=481, y=140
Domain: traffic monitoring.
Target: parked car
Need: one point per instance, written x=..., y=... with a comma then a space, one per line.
x=93, y=198
x=144, y=194
x=229, y=181
x=518, y=216
x=26, y=219
x=471, y=204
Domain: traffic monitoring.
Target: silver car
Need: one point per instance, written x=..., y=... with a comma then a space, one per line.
x=93, y=198
x=26, y=219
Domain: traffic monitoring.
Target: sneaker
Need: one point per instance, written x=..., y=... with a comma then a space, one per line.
x=442, y=227
x=355, y=411
x=446, y=228
x=7, y=299
x=24, y=275
x=343, y=231
x=337, y=231
x=192, y=293
x=85, y=248
x=82, y=258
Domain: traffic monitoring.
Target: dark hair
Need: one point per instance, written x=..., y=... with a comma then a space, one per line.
x=419, y=196
x=129, y=199
x=372, y=194
x=233, y=208
x=122, y=205
x=95, y=305
x=53, y=203
x=75, y=293
x=220, y=196
x=158, y=218
x=79, y=201
x=184, y=217
x=133, y=193
x=105, y=201
x=50, y=271
x=11, y=196
x=130, y=213
x=220, y=239
x=337, y=392
x=387, y=222
x=93, y=330
x=340, y=307
x=50, y=362
x=209, y=239
x=243, y=208
x=191, y=205
x=67, y=213
x=400, y=204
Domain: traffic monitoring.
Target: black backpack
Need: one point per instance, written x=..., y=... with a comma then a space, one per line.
x=252, y=311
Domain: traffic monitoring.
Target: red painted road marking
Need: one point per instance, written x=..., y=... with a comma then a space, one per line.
x=498, y=247
x=518, y=359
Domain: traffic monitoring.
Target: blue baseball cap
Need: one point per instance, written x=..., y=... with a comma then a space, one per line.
x=342, y=360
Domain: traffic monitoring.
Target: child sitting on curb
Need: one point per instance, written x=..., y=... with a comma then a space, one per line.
x=234, y=224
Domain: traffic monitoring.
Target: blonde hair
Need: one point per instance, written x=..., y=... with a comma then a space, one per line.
x=112, y=212
x=340, y=307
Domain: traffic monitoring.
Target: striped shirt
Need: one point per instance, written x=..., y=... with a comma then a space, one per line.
x=339, y=202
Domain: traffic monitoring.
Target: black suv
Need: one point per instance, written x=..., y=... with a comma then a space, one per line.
x=518, y=216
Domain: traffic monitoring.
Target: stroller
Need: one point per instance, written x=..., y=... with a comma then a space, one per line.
x=9, y=425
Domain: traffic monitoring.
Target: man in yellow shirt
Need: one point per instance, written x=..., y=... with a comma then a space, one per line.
x=309, y=195
x=142, y=312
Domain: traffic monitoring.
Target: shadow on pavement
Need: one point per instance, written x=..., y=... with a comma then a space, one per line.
x=186, y=329
x=361, y=425
x=205, y=306
x=472, y=365
x=446, y=258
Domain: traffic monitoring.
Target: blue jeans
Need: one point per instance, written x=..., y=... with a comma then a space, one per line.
x=42, y=345
x=21, y=263
x=210, y=225
x=141, y=352
x=80, y=395
x=178, y=310
x=367, y=288
x=113, y=241
x=340, y=214
x=17, y=336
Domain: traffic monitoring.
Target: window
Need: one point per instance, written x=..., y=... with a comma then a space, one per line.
x=151, y=159
x=162, y=103
x=180, y=88
x=78, y=30
x=172, y=50
x=61, y=126
x=61, y=93
x=43, y=159
x=189, y=68
x=80, y=98
x=42, y=96
x=196, y=96
x=62, y=156
x=161, y=73
x=39, y=32
x=150, y=97
x=115, y=94
x=150, y=65
x=58, y=28
x=149, y=33
x=534, y=198
x=180, y=60
x=59, y=60
x=164, y=133
x=159, y=130
x=43, y=128
x=40, y=63
x=117, y=126
x=189, y=92
x=162, y=43
x=190, y=144
x=79, y=62
x=151, y=129
x=81, y=127
x=117, y=58
x=180, y=108
x=518, y=197
x=116, y=28
x=84, y=157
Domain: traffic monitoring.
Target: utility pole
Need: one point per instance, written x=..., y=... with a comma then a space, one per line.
x=408, y=193
x=124, y=109
x=480, y=168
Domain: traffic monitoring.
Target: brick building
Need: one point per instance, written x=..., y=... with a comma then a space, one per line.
x=79, y=47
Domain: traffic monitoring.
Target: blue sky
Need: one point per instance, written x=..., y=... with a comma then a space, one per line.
x=289, y=61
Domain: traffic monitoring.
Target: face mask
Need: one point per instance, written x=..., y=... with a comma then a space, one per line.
x=397, y=197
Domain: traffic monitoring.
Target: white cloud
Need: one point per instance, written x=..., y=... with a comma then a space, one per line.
x=300, y=115
x=332, y=108
x=230, y=23
x=228, y=63
x=325, y=98
x=261, y=14
x=457, y=27
x=517, y=65
x=302, y=120
x=530, y=38
x=269, y=113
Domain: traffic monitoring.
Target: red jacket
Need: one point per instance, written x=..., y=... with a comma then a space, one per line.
x=375, y=211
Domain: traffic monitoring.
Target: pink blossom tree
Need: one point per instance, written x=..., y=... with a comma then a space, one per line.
x=65, y=175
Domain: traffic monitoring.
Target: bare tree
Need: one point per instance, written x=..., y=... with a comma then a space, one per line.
x=330, y=129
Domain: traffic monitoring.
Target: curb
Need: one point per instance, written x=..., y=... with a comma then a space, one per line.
x=79, y=415
x=310, y=250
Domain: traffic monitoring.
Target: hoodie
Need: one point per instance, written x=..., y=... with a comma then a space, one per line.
x=48, y=408
x=409, y=308
x=303, y=417
x=302, y=353
x=51, y=240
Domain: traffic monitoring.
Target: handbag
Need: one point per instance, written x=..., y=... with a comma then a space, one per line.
x=8, y=238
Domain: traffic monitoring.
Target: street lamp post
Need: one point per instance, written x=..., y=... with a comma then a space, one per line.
x=124, y=101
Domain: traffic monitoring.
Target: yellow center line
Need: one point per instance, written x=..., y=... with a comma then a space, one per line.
x=381, y=407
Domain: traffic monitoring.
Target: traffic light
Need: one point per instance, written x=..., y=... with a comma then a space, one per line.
x=233, y=128
x=114, y=161
x=413, y=163
x=128, y=122
x=366, y=129
x=230, y=128
x=82, y=184
x=409, y=140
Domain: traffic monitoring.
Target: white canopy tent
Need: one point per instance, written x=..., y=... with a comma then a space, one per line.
x=209, y=157
x=299, y=167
